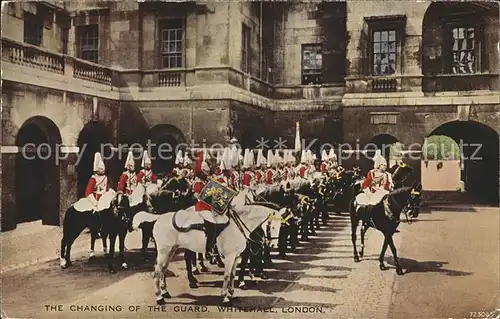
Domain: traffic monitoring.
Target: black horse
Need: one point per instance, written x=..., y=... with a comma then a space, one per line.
x=385, y=217
x=112, y=222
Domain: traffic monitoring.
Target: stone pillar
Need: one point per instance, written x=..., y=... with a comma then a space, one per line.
x=124, y=35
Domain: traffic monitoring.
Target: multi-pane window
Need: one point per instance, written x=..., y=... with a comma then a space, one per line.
x=88, y=42
x=171, y=43
x=33, y=29
x=463, y=50
x=384, y=50
x=312, y=64
x=245, y=46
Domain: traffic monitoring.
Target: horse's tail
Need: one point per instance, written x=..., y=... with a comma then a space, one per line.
x=143, y=217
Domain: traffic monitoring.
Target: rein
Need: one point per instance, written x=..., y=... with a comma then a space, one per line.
x=240, y=224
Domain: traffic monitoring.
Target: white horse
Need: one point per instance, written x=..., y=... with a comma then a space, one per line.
x=173, y=231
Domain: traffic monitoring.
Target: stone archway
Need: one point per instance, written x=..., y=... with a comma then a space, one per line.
x=92, y=138
x=37, y=172
x=478, y=144
x=165, y=141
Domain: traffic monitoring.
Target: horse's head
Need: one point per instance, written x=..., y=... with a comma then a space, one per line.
x=400, y=173
x=122, y=210
x=405, y=200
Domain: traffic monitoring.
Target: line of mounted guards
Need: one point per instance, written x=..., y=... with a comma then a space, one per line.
x=304, y=188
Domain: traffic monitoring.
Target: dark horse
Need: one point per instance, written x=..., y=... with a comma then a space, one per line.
x=385, y=216
x=112, y=222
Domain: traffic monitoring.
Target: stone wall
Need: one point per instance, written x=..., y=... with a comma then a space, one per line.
x=61, y=115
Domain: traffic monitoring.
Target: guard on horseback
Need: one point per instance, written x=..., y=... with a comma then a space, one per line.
x=377, y=183
x=128, y=179
x=146, y=175
x=98, y=184
x=211, y=230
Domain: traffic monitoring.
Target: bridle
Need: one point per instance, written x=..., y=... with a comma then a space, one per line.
x=407, y=208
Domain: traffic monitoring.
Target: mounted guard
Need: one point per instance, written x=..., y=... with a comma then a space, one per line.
x=97, y=186
x=209, y=206
x=146, y=175
x=377, y=183
x=128, y=179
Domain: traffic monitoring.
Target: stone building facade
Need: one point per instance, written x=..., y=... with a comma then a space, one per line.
x=77, y=75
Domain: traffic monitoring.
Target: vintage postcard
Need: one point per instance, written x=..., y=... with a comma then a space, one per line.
x=242, y=159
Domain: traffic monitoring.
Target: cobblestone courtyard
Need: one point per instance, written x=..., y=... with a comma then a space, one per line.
x=450, y=260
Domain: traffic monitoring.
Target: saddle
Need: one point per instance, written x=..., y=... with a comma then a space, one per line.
x=185, y=220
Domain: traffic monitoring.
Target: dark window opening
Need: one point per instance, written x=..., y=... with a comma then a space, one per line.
x=312, y=64
x=33, y=29
x=245, y=46
x=88, y=42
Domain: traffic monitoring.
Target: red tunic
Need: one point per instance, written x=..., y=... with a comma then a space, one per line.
x=324, y=167
x=235, y=179
x=147, y=175
x=127, y=183
x=197, y=188
x=370, y=181
x=302, y=171
x=97, y=185
x=258, y=176
x=247, y=178
x=269, y=176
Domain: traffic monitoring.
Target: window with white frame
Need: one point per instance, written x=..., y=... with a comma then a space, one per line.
x=171, y=43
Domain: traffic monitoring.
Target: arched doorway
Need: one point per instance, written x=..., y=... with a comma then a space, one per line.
x=37, y=173
x=165, y=141
x=479, y=146
x=92, y=138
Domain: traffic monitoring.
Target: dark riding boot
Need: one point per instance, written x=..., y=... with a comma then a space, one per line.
x=210, y=232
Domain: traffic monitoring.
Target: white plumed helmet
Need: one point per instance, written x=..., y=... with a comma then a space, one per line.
x=145, y=159
x=130, y=160
x=98, y=162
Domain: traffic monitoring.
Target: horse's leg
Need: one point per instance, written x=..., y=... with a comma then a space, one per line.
x=364, y=228
x=164, y=292
x=189, y=258
x=93, y=238
x=354, y=227
x=145, y=240
x=218, y=259
x=121, y=238
x=382, y=253
x=399, y=271
x=201, y=263
x=104, y=237
x=317, y=215
x=324, y=213
x=231, y=279
x=162, y=260
x=311, y=224
x=112, y=240
x=243, y=265
x=228, y=275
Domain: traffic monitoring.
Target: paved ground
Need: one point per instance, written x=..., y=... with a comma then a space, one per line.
x=452, y=262
x=451, y=259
